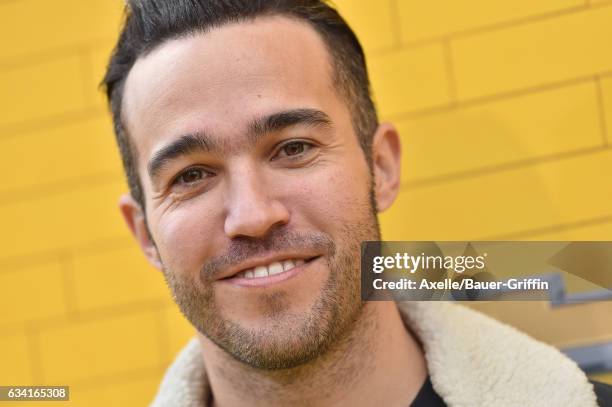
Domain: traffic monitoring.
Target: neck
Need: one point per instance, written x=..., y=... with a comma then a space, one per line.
x=377, y=363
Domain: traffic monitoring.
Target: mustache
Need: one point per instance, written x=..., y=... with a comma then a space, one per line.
x=243, y=248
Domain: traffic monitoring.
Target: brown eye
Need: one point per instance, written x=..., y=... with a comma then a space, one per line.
x=294, y=148
x=190, y=176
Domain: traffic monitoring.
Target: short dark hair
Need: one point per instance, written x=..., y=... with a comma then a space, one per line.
x=150, y=23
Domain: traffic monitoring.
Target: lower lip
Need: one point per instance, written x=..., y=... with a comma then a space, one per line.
x=269, y=280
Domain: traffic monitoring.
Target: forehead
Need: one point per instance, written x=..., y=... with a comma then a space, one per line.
x=221, y=80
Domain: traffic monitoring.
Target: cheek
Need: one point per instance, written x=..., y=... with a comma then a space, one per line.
x=184, y=237
x=335, y=196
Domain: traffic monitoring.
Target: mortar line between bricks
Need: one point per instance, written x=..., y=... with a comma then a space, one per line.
x=92, y=247
x=162, y=335
x=43, y=191
x=20, y=61
x=450, y=71
x=396, y=23
x=488, y=28
x=70, y=296
x=112, y=311
x=498, y=97
x=498, y=168
x=602, y=111
x=86, y=316
x=85, y=65
x=33, y=340
x=120, y=378
x=567, y=226
x=50, y=122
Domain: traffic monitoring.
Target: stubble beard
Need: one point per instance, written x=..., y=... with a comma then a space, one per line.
x=287, y=340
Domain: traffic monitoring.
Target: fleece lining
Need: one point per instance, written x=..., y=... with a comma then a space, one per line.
x=473, y=361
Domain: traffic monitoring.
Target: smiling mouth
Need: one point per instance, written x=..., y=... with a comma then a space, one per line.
x=271, y=269
x=274, y=271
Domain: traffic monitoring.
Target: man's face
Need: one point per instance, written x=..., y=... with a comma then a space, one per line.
x=258, y=194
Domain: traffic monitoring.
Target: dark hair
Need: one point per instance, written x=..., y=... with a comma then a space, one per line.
x=150, y=23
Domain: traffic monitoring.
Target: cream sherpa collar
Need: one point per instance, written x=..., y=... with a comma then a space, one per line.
x=472, y=359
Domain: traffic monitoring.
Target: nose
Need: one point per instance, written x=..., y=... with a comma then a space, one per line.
x=252, y=209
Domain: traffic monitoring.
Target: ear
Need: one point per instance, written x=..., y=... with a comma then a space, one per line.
x=386, y=160
x=134, y=217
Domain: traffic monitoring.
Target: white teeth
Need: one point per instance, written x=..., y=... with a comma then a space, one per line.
x=288, y=265
x=260, y=271
x=270, y=270
x=275, y=268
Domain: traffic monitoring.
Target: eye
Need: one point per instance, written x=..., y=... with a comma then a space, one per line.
x=293, y=149
x=191, y=176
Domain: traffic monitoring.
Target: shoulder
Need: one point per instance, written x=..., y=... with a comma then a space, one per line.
x=603, y=392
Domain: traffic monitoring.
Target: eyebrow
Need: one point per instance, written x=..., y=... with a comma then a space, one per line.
x=281, y=120
x=203, y=142
x=184, y=145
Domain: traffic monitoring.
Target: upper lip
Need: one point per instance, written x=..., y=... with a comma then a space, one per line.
x=264, y=260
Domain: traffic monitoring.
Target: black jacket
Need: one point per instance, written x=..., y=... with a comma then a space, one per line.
x=604, y=393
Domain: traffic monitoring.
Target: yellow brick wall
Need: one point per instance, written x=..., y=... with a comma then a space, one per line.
x=505, y=110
